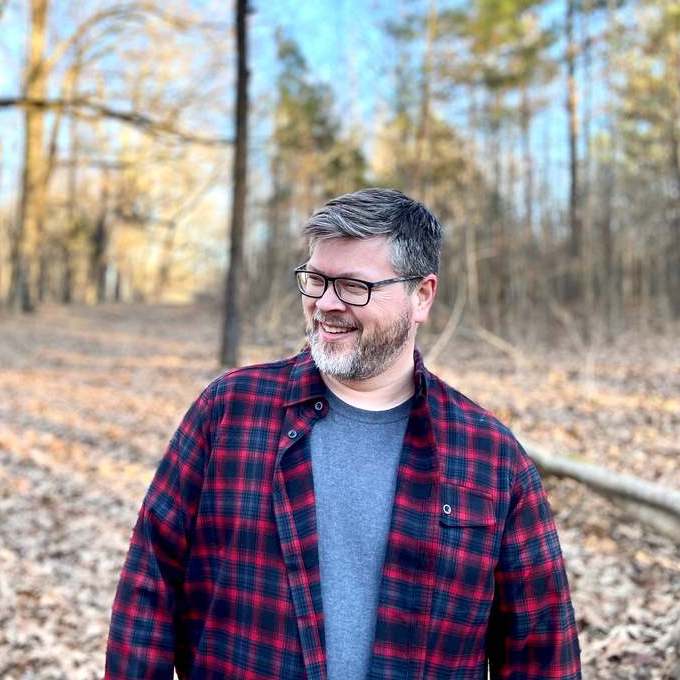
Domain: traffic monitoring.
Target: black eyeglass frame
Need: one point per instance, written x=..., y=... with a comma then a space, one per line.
x=332, y=279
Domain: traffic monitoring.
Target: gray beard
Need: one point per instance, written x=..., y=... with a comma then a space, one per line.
x=370, y=356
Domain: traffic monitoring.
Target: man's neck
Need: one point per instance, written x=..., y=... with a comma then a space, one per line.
x=386, y=390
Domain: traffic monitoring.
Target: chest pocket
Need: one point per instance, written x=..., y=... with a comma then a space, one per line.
x=463, y=507
x=467, y=553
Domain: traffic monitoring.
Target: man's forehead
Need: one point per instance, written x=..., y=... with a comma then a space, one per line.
x=351, y=256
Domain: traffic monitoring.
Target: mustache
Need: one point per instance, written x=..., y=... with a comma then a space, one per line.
x=335, y=320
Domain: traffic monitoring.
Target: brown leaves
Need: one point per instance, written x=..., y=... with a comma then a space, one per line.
x=90, y=398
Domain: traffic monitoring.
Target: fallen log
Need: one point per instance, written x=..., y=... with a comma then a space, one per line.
x=648, y=502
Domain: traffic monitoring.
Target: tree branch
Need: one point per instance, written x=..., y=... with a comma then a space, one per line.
x=451, y=325
x=84, y=108
x=131, y=11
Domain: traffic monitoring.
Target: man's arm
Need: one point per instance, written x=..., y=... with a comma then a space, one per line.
x=141, y=640
x=532, y=634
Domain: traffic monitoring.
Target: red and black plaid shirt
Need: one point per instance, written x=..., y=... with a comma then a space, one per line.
x=222, y=576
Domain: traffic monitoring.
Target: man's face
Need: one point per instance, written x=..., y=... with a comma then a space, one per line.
x=355, y=343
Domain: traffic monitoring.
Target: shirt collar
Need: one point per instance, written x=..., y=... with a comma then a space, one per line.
x=420, y=375
x=306, y=382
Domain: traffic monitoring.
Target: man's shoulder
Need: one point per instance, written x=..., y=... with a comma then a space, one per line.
x=268, y=379
x=494, y=454
x=458, y=416
x=462, y=408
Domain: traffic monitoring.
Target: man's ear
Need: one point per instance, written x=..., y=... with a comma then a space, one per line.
x=425, y=294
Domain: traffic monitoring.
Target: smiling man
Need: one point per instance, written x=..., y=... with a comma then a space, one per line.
x=359, y=343
x=344, y=513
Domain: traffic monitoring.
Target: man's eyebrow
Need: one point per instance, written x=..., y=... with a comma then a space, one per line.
x=344, y=275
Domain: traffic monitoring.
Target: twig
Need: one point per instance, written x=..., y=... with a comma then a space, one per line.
x=85, y=108
x=451, y=325
x=503, y=345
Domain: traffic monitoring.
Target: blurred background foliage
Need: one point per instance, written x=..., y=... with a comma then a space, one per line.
x=544, y=133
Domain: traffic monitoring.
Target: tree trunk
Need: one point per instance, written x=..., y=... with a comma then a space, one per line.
x=504, y=248
x=100, y=238
x=277, y=243
x=575, y=225
x=72, y=217
x=494, y=275
x=419, y=181
x=472, y=220
x=229, y=353
x=471, y=269
x=527, y=163
x=66, y=295
x=31, y=214
x=118, y=287
x=608, y=289
x=165, y=260
x=585, y=194
x=647, y=501
x=674, y=251
x=525, y=258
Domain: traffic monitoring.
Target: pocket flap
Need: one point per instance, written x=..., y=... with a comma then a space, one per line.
x=463, y=507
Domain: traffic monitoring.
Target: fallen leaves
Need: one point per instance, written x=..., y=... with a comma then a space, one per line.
x=90, y=397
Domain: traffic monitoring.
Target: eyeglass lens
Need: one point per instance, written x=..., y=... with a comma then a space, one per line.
x=348, y=290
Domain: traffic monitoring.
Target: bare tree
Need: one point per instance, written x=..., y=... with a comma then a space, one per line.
x=571, y=104
x=82, y=51
x=26, y=251
x=231, y=329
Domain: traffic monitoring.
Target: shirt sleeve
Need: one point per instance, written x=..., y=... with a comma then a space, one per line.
x=141, y=641
x=532, y=633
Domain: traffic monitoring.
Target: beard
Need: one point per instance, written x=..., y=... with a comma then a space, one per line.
x=369, y=354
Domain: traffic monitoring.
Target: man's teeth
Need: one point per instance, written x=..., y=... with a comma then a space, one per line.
x=335, y=329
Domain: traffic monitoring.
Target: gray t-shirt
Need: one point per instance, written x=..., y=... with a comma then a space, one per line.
x=355, y=456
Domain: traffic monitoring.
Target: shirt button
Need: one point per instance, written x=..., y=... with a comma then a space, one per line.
x=292, y=434
x=447, y=509
x=318, y=406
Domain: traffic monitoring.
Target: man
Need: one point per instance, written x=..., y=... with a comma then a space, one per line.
x=344, y=513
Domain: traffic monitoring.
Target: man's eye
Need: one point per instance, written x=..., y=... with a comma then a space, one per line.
x=353, y=286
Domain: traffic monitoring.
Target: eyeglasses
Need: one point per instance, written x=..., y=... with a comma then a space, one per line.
x=351, y=291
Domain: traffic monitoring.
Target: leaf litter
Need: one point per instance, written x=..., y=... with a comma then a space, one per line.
x=91, y=396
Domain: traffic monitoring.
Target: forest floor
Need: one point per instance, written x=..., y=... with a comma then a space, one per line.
x=90, y=396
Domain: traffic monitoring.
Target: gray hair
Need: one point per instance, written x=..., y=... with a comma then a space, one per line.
x=412, y=230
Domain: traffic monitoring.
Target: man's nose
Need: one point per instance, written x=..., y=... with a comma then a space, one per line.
x=330, y=301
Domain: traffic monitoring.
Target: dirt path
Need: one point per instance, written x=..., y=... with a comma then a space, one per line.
x=90, y=397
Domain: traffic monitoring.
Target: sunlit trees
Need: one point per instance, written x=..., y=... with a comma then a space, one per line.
x=650, y=169
x=100, y=85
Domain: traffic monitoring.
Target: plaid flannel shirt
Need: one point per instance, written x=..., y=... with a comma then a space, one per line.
x=222, y=576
